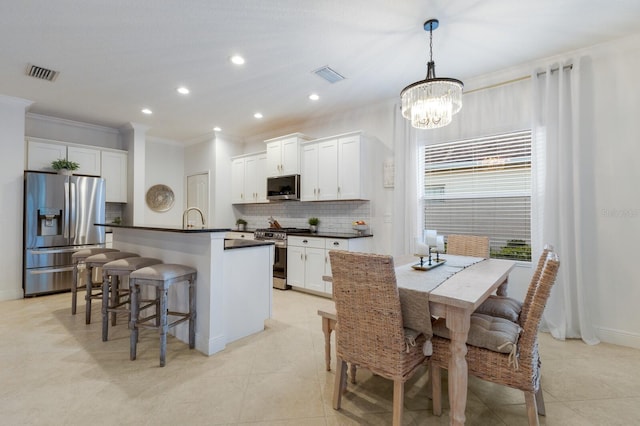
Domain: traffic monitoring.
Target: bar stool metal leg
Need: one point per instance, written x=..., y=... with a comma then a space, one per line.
x=133, y=339
x=163, y=325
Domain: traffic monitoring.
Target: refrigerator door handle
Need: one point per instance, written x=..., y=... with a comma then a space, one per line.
x=62, y=250
x=49, y=270
x=72, y=212
x=65, y=218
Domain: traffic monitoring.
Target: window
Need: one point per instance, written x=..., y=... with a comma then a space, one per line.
x=481, y=186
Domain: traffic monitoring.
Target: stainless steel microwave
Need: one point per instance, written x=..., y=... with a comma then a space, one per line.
x=283, y=187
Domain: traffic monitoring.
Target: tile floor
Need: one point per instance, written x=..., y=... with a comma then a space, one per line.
x=55, y=370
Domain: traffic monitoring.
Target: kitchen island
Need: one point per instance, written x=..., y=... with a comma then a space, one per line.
x=234, y=282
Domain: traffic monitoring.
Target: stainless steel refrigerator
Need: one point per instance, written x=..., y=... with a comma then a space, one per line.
x=59, y=216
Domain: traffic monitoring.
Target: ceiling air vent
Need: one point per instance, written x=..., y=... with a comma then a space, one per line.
x=41, y=73
x=329, y=74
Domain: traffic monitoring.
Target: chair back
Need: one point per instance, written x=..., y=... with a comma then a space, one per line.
x=468, y=245
x=534, y=284
x=370, y=328
x=537, y=303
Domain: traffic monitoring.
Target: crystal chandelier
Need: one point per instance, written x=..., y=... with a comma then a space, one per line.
x=432, y=102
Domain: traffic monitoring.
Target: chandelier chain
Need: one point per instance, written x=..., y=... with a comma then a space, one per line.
x=431, y=43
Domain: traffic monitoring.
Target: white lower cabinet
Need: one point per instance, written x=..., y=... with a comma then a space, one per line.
x=308, y=260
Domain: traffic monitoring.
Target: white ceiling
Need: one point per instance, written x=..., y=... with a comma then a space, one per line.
x=117, y=56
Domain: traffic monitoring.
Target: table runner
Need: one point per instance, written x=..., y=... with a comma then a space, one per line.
x=414, y=287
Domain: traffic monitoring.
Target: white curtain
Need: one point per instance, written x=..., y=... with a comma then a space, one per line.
x=561, y=200
x=406, y=194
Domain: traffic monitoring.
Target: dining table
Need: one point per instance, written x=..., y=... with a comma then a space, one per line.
x=452, y=290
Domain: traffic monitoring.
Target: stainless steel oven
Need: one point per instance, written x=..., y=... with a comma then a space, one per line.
x=279, y=237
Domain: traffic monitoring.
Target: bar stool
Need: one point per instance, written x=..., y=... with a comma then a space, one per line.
x=161, y=277
x=98, y=261
x=113, y=293
x=78, y=258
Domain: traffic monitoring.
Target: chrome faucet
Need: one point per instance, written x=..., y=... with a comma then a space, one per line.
x=186, y=213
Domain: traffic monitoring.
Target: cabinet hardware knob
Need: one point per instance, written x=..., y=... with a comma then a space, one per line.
x=335, y=243
x=305, y=241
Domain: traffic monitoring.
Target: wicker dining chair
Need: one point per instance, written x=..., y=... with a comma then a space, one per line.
x=370, y=330
x=519, y=366
x=510, y=308
x=468, y=245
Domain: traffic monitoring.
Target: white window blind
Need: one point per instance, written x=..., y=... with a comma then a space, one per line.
x=482, y=186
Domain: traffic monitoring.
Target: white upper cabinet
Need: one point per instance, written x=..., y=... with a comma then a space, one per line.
x=114, y=171
x=111, y=164
x=248, y=179
x=334, y=169
x=283, y=155
x=351, y=182
x=88, y=158
x=41, y=154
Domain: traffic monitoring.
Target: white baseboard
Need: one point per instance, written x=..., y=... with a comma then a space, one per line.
x=618, y=337
x=11, y=294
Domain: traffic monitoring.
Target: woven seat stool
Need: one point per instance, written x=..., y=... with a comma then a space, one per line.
x=113, y=292
x=78, y=259
x=162, y=277
x=98, y=261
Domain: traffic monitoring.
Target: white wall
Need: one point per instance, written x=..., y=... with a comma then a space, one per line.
x=45, y=127
x=11, y=198
x=165, y=165
x=610, y=97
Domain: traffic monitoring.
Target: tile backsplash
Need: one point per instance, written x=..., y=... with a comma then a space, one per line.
x=335, y=216
x=113, y=210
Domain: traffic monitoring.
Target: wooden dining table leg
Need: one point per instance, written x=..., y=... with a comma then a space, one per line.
x=458, y=322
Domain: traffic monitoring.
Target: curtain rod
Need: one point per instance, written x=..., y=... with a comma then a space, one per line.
x=515, y=80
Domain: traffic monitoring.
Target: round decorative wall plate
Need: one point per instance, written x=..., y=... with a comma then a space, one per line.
x=160, y=198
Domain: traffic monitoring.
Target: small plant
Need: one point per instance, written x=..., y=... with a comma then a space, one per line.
x=314, y=221
x=241, y=224
x=62, y=163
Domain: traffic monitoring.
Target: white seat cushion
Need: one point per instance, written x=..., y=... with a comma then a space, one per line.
x=500, y=306
x=130, y=264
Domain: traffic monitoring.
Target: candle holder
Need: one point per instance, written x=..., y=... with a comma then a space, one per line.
x=432, y=263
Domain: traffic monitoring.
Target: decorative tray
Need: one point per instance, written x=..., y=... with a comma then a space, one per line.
x=424, y=266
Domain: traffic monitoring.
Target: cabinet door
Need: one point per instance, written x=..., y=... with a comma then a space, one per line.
x=290, y=156
x=114, y=172
x=237, y=181
x=349, y=173
x=250, y=179
x=41, y=154
x=328, y=170
x=274, y=158
x=261, y=178
x=308, y=172
x=88, y=158
x=314, y=269
x=295, y=266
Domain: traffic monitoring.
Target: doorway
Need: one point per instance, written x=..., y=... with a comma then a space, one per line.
x=198, y=196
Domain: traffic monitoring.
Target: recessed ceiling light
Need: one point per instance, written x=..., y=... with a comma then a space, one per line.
x=217, y=129
x=147, y=111
x=183, y=90
x=257, y=115
x=237, y=59
x=314, y=97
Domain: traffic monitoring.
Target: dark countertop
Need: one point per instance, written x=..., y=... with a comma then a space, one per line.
x=343, y=235
x=165, y=228
x=237, y=243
